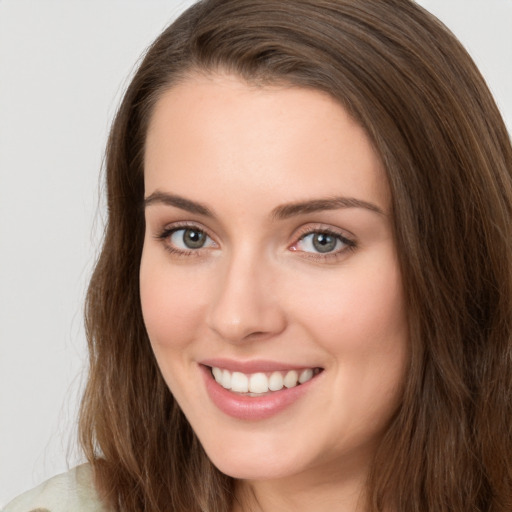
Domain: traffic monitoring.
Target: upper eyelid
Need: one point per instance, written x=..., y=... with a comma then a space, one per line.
x=308, y=229
x=346, y=237
x=298, y=233
x=164, y=234
x=175, y=226
x=349, y=243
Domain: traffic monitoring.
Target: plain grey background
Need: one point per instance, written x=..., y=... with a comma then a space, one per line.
x=63, y=67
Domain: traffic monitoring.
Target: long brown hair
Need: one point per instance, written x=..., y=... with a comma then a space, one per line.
x=405, y=78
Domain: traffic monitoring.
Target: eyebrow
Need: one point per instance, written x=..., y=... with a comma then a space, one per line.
x=281, y=212
x=316, y=205
x=178, y=202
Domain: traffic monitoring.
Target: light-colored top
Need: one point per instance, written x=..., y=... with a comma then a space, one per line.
x=70, y=492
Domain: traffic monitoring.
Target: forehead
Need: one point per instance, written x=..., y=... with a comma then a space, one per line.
x=219, y=129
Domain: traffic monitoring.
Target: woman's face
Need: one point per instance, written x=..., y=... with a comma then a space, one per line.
x=269, y=267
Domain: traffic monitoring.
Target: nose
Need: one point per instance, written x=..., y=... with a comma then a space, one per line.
x=245, y=306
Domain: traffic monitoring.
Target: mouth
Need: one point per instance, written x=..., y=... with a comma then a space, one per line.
x=262, y=383
x=258, y=389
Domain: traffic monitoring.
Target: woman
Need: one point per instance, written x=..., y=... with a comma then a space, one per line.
x=303, y=298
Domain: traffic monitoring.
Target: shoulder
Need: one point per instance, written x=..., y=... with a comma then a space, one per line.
x=73, y=490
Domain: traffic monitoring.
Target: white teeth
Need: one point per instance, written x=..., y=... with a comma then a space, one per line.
x=290, y=380
x=217, y=374
x=239, y=382
x=275, y=383
x=225, y=381
x=260, y=382
x=305, y=375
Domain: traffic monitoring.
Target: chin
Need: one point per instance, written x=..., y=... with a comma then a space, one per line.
x=257, y=460
x=263, y=469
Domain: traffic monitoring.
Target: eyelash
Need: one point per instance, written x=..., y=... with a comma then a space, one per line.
x=164, y=235
x=350, y=245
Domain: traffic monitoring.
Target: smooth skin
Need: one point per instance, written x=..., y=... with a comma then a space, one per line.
x=234, y=272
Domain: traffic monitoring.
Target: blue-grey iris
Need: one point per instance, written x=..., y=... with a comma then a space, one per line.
x=194, y=239
x=324, y=242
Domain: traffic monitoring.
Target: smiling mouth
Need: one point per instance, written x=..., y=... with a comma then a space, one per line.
x=262, y=383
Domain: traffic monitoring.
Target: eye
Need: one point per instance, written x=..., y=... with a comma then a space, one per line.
x=320, y=242
x=323, y=243
x=189, y=238
x=184, y=240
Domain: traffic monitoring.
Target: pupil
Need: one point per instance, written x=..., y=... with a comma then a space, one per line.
x=324, y=243
x=193, y=239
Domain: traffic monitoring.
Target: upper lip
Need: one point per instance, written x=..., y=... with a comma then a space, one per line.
x=254, y=366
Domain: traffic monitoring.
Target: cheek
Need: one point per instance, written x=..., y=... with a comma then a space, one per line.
x=361, y=310
x=171, y=304
x=172, y=309
x=361, y=323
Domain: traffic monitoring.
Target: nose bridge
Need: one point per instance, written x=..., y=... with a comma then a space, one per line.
x=244, y=304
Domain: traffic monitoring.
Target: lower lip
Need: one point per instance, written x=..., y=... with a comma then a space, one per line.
x=252, y=408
